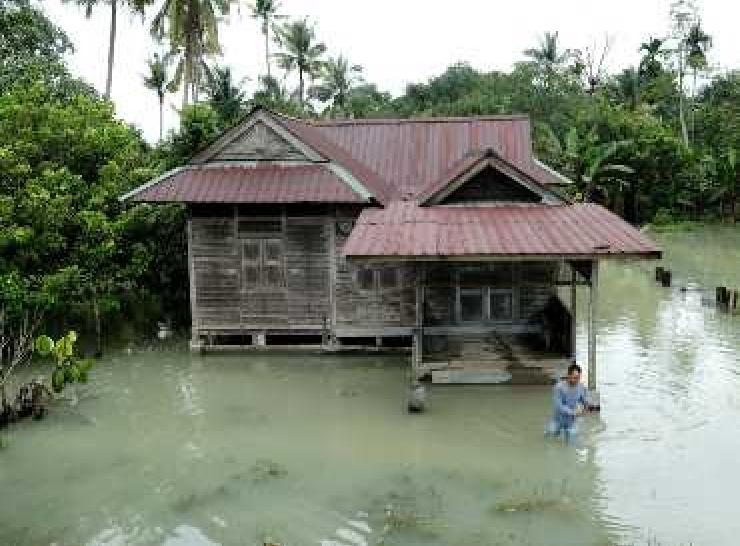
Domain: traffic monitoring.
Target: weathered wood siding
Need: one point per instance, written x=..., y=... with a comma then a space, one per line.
x=371, y=297
x=282, y=269
x=257, y=270
x=532, y=284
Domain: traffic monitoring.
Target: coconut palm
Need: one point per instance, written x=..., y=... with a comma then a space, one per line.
x=190, y=28
x=156, y=80
x=300, y=52
x=549, y=54
x=338, y=79
x=698, y=44
x=225, y=96
x=266, y=11
x=136, y=6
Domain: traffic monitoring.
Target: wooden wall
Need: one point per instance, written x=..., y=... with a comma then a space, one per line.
x=281, y=269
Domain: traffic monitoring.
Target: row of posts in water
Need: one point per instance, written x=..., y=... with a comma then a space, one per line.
x=726, y=298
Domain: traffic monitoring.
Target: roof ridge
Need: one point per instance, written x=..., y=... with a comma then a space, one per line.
x=420, y=119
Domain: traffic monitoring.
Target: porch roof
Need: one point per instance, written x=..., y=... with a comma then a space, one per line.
x=406, y=231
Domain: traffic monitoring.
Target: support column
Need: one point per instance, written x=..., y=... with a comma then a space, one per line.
x=195, y=341
x=594, y=401
x=417, y=392
x=573, y=313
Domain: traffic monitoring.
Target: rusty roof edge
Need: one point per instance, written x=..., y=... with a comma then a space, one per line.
x=161, y=178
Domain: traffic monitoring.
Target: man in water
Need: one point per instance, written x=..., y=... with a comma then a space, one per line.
x=569, y=401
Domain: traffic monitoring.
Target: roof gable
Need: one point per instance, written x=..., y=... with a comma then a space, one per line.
x=258, y=138
x=486, y=178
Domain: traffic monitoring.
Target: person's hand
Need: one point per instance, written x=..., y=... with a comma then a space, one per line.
x=579, y=410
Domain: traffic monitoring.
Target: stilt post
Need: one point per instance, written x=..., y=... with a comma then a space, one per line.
x=573, y=315
x=592, y=310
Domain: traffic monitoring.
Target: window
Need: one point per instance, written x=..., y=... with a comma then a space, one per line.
x=388, y=278
x=256, y=227
x=383, y=278
x=365, y=278
x=262, y=264
x=471, y=304
x=501, y=304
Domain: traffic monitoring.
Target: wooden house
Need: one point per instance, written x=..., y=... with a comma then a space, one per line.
x=443, y=234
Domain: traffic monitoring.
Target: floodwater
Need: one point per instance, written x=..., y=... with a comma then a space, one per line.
x=165, y=448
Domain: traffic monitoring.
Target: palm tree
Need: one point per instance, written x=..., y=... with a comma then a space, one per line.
x=136, y=6
x=191, y=30
x=650, y=65
x=338, y=79
x=300, y=52
x=698, y=44
x=548, y=54
x=224, y=95
x=156, y=80
x=266, y=11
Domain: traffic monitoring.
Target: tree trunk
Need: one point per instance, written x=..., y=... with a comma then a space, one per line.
x=111, y=48
x=267, y=50
x=161, y=117
x=681, y=101
x=300, y=87
x=98, y=328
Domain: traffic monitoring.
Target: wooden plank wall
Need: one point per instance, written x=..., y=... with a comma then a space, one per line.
x=375, y=308
x=312, y=251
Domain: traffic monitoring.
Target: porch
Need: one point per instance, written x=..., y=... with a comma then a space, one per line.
x=499, y=321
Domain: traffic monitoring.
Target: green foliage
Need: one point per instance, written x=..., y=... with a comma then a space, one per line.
x=67, y=369
x=300, y=52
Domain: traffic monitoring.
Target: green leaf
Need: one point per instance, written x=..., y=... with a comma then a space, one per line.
x=57, y=380
x=44, y=345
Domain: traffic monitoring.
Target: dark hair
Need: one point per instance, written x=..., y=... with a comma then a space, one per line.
x=574, y=368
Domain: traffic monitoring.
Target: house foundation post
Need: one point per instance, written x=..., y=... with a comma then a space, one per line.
x=573, y=311
x=417, y=391
x=594, y=401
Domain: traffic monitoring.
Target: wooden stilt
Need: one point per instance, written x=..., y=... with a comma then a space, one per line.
x=573, y=314
x=417, y=392
x=592, y=310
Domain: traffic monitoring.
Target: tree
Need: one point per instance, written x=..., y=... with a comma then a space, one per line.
x=225, y=96
x=338, y=80
x=190, y=28
x=588, y=162
x=549, y=56
x=728, y=179
x=266, y=11
x=156, y=80
x=698, y=44
x=684, y=17
x=137, y=6
x=300, y=52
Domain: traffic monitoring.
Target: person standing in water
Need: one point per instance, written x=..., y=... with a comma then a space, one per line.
x=569, y=401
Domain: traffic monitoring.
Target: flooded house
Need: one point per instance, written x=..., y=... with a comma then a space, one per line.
x=444, y=235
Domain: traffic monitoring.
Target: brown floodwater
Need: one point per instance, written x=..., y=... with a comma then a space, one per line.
x=167, y=448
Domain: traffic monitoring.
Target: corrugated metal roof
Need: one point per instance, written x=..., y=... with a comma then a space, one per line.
x=405, y=230
x=309, y=134
x=257, y=183
x=412, y=154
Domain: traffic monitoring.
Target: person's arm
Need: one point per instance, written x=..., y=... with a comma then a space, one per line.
x=559, y=401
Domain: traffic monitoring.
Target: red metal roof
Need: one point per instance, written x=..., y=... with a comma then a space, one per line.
x=403, y=230
x=259, y=183
x=309, y=134
x=412, y=154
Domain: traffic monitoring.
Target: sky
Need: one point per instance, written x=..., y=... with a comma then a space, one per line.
x=396, y=41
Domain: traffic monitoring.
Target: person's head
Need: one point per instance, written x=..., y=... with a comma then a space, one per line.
x=574, y=375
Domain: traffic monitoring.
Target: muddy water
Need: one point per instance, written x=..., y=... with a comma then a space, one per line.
x=165, y=448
